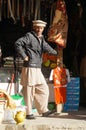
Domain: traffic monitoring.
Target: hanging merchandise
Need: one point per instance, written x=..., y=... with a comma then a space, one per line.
x=24, y=13
x=21, y=11
x=18, y=15
x=59, y=25
x=0, y=9
x=59, y=28
x=37, y=10
x=10, y=10
x=13, y=6
x=30, y=9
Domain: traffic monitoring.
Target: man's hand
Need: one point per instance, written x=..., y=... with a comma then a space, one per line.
x=26, y=58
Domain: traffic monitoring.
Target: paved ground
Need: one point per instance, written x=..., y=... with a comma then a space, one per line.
x=68, y=121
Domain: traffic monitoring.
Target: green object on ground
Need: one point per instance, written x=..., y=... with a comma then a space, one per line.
x=51, y=105
x=19, y=98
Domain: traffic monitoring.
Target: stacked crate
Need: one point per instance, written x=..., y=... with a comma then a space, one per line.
x=73, y=95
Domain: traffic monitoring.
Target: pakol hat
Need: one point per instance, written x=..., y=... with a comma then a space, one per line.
x=39, y=23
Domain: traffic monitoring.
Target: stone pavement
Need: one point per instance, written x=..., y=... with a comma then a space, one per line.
x=67, y=121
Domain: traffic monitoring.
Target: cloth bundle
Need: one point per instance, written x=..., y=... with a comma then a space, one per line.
x=10, y=102
x=59, y=24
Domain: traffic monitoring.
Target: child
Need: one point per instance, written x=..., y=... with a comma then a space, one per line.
x=61, y=77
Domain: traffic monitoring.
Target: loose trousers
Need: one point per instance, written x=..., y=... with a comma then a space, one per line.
x=39, y=94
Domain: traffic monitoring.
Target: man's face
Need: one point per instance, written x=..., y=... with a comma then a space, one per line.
x=39, y=30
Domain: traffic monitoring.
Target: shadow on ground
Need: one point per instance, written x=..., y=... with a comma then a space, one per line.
x=79, y=115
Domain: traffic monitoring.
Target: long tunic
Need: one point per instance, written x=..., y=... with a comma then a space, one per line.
x=32, y=76
x=60, y=77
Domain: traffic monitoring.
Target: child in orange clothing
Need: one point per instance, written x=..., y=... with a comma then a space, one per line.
x=61, y=77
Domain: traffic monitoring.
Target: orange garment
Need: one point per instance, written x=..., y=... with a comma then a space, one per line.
x=60, y=81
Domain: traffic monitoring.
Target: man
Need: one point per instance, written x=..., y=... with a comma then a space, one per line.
x=30, y=48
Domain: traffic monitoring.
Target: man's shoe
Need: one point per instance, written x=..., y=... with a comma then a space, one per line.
x=46, y=114
x=30, y=116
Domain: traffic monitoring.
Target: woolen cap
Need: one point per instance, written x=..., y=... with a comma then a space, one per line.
x=39, y=23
